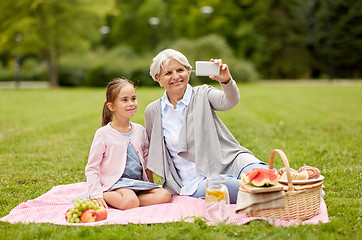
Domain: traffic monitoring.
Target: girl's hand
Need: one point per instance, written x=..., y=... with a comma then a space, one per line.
x=224, y=76
x=102, y=203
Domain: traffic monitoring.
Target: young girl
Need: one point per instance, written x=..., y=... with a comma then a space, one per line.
x=116, y=169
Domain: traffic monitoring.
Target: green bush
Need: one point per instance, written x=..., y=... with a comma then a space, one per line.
x=141, y=71
x=102, y=73
x=34, y=70
x=107, y=65
x=71, y=76
x=98, y=67
x=242, y=71
x=73, y=68
x=122, y=62
x=31, y=69
x=6, y=74
x=211, y=46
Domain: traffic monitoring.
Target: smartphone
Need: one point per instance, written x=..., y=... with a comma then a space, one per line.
x=204, y=68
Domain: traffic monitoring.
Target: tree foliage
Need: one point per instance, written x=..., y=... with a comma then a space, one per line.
x=334, y=29
x=50, y=28
x=281, y=38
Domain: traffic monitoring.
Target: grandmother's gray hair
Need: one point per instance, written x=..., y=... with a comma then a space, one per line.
x=163, y=58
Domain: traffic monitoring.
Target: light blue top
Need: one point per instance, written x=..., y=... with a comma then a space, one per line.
x=171, y=125
x=133, y=167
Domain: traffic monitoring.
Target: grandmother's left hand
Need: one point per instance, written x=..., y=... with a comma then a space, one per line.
x=224, y=76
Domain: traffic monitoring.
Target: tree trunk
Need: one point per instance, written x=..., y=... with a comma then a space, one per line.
x=52, y=68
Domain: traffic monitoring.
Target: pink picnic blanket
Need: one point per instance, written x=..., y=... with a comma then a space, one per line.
x=51, y=207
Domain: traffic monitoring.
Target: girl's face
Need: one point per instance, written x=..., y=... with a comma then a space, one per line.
x=125, y=105
x=173, y=77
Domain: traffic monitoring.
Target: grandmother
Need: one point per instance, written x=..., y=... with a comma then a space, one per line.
x=188, y=141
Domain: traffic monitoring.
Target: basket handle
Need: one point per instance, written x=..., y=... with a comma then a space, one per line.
x=286, y=164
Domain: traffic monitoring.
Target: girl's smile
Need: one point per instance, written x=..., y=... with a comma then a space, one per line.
x=125, y=105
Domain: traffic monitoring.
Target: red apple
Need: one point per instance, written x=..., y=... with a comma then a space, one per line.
x=101, y=214
x=91, y=215
x=88, y=216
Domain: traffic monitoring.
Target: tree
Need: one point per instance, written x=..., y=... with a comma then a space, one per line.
x=132, y=27
x=50, y=28
x=334, y=32
x=279, y=48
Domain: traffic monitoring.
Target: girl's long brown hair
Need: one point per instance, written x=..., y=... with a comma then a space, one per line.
x=112, y=91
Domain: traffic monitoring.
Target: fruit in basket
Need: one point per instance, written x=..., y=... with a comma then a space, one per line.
x=260, y=177
x=79, y=212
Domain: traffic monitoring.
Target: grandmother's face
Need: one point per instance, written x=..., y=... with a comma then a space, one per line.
x=173, y=77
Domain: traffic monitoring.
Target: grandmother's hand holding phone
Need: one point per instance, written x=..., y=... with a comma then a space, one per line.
x=215, y=69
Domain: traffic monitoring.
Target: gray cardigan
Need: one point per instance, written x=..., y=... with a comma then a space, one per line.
x=204, y=139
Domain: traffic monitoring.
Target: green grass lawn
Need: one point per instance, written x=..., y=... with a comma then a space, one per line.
x=45, y=136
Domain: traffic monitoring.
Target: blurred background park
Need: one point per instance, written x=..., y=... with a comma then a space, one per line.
x=87, y=42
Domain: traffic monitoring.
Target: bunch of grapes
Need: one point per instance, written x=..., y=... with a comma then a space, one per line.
x=80, y=205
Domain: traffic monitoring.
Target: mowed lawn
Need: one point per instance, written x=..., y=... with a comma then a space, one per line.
x=45, y=136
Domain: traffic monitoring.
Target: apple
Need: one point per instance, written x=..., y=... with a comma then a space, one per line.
x=101, y=214
x=88, y=216
x=91, y=215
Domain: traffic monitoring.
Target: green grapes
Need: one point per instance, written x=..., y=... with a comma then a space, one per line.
x=80, y=205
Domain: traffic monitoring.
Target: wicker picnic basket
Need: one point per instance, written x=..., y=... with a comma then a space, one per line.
x=300, y=202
